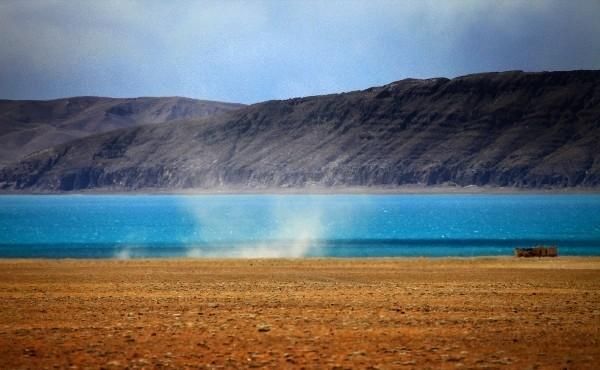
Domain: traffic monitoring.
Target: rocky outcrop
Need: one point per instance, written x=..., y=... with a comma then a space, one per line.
x=513, y=129
x=27, y=126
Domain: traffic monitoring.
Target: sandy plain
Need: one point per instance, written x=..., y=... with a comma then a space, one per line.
x=308, y=313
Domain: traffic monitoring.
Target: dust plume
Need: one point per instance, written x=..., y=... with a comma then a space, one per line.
x=282, y=227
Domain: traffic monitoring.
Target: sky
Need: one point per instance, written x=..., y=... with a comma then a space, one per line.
x=251, y=51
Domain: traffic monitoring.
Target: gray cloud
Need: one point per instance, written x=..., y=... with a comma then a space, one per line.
x=251, y=51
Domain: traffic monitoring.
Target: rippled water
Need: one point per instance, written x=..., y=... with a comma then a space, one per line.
x=123, y=226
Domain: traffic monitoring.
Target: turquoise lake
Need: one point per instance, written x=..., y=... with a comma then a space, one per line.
x=123, y=226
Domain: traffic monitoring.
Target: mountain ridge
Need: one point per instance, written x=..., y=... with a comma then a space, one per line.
x=529, y=130
x=27, y=126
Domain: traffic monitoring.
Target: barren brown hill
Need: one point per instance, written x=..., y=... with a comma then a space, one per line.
x=517, y=129
x=30, y=125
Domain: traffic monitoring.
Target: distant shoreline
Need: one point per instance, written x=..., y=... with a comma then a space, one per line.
x=306, y=260
x=359, y=190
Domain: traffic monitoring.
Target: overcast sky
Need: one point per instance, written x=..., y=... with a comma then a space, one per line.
x=250, y=51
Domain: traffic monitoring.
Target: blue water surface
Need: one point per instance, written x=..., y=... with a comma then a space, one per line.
x=124, y=226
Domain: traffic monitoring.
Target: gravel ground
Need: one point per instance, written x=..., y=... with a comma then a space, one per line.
x=321, y=313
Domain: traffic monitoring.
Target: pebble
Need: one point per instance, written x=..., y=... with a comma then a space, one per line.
x=263, y=328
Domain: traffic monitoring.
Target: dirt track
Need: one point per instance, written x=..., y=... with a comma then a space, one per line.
x=488, y=313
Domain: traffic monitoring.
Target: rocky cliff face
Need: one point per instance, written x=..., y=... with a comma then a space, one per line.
x=29, y=125
x=528, y=130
